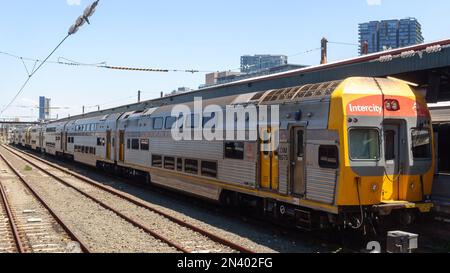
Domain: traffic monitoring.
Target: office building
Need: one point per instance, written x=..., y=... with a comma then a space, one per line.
x=390, y=34
x=257, y=63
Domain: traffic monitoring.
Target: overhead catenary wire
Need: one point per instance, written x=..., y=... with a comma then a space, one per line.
x=30, y=75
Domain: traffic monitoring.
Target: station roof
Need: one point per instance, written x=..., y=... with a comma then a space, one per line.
x=413, y=63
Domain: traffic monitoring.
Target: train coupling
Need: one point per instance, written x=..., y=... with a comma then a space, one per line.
x=386, y=208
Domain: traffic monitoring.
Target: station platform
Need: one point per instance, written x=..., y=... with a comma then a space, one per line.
x=441, y=193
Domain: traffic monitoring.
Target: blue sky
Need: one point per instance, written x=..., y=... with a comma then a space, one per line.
x=204, y=35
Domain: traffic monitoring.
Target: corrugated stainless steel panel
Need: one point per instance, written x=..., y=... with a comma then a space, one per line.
x=237, y=172
x=283, y=177
x=208, y=150
x=321, y=185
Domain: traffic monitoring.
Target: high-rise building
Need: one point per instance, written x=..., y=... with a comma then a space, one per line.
x=390, y=34
x=258, y=63
x=44, y=108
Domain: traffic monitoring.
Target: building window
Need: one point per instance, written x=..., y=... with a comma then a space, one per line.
x=328, y=157
x=145, y=144
x=157, y=161
x=128, y=144
x=234, y=150
x=179, y=164
x=209, y=169
x=158, y=123
x=135, y=144
x=191, y=166
x=169, y=163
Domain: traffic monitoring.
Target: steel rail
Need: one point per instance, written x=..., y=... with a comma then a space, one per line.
x=102, y=204
x=138, y=203
x=12, y=224
x=58, y=219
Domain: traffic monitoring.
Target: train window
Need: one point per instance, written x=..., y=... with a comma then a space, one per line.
x=234, y=150
x=193, y=121
x=328, y=157
x=191, y=166
x=364, y=144
x=421, y=143
x=169, y=163
x=158, y=123
x=300, y=143
x=128, y=144
x=145, y=144
x=179, y=164
x=135, y=144
x=389, y=144
x=157, y=161
x=170, y=121
x=91, y=150
x=99, y=141
x=209, y=169
x=207, y=119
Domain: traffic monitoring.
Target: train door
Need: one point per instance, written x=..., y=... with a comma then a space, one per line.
x=122, y=146
x=392, y=156
x=269, y=161
x=108, y=145
x=62, y=141
x=298, y=186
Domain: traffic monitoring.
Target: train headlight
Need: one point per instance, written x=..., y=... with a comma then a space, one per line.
x=392, y=105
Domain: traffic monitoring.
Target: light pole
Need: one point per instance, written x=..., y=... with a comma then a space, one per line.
x=88, y=12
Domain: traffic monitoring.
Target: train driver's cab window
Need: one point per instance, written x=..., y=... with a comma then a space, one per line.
x=328, y=157
x=421, y=143
x=234, y=150
x=364, y=144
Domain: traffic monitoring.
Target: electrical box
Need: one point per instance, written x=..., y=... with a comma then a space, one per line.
x=402, y=242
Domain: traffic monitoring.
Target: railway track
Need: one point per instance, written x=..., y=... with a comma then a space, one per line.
x=177, y=233
x=28, y=224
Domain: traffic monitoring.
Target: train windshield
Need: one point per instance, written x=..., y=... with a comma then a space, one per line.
x=364, y=144
x=421, y=143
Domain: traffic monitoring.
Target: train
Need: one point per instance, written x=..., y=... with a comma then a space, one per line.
x=350, y=153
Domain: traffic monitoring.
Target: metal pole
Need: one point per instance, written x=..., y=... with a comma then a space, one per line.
x=139, y=96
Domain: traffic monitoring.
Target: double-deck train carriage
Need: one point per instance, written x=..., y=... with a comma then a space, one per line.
x=53, y=138
x=84, y=134
x=91, y=141
x=194, y=166
x=36, y=137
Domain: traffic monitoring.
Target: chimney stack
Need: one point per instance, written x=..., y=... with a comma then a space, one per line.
x=324, y=51
x=365, y=48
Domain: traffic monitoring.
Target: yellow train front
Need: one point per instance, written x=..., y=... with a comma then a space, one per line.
x=387, y=151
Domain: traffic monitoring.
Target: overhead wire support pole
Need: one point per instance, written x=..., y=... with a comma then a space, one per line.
x=89, y=11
